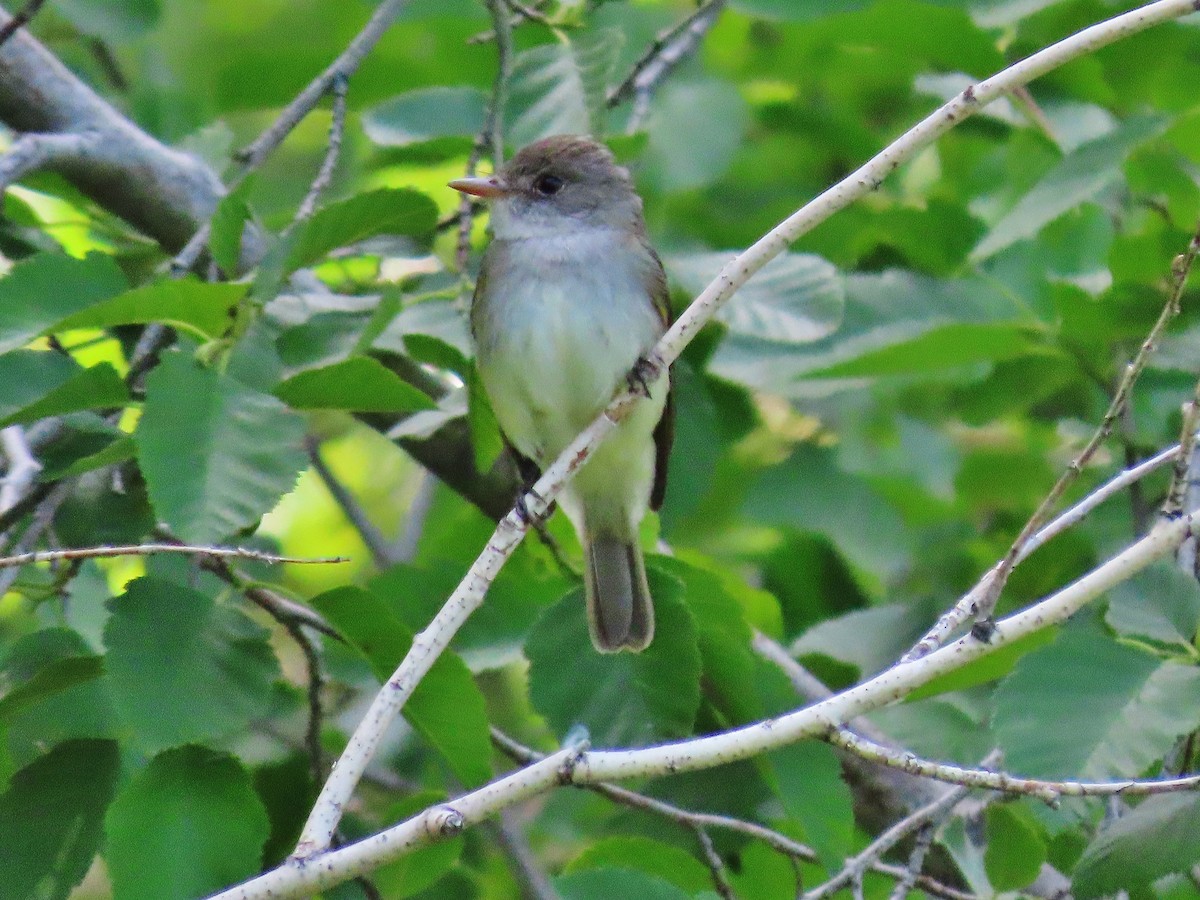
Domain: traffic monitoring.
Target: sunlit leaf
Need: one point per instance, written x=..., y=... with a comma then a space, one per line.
x=216, y=455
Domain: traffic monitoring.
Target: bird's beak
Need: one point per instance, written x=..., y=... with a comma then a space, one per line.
x=488, y=186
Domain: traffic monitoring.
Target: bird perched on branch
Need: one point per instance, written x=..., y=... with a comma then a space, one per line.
x=570, y=298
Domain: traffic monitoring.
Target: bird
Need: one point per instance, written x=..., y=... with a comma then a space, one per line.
x=569, y=300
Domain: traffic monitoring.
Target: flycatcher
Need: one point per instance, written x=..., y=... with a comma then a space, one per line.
x=570, y=296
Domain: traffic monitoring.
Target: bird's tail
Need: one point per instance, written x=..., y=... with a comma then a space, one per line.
x=620, y=611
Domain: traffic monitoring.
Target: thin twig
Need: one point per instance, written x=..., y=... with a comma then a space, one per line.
x=690, y=820
x=405, y=546
x=980, y=602
x=43, y=517
x=522, y=12
x=337, y=130
x=916, y=861
x=22, y=18
x=1048, y=791
x=500, y=85
x=21, y=559
x=312, y=664
x=716, y=865
x=371, y=536
x=533, y=881
x=491, y=134
x=854, y=868
x=1179, y=273
x=256, y=153
x=665, y=52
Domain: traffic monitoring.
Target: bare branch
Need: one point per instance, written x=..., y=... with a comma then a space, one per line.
x=665, y=52
x=916, y=861
x=43, y=516
x=22, y=467
x=852, y=872
x=31, y=152
x=312, y=665
x=492, y=133
x=1048, y=791
x=161, y=192
x=980, y=601
x=344, y=66
x=716, y=865
x=688, y=819
x=534, y=883
x=20, y=20
x=22, y=559
x=405, y=546
x=337, y=129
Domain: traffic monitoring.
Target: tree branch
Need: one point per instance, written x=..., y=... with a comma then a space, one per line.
x=20, y=20
x=162, y=192
x=22, y=559
x=979, y=603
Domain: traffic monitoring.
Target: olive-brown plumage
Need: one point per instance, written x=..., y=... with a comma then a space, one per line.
x=570, y=295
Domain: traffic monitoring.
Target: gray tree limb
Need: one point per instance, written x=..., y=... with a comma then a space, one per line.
x=66, y=127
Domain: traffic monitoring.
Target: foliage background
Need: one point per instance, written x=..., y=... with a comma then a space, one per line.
x=859, y=439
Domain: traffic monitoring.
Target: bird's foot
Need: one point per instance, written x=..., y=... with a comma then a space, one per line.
x=640, y=376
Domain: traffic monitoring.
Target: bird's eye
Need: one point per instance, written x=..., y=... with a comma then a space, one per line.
x=548, y=185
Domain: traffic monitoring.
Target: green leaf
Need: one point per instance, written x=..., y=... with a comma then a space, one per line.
x=286, y=790
x=605, y=884
x=789, y=9
x=93, y=388
x=558, y=88
x=948, y=347
x=796, y=298
x=358, y=384
x=51, y=818
x=182, y=668
x=421, y=868
x=227, y=227
x=1015, y=851
x=112, y=20
x=426, y=114
x=646, y=855
x=486, y=438
x=1079, y=177
x=54, y=698
x=683, y=152
x=29, y=375
x=185, y=826
x=42, y=290
x=383, y=211
x=807, y=778
x=203, y=308
x=723, y=638
x=216, y=455
x=1160, y=603
x=1115, y=709
x=843, y=507
x=623, y=698
x=51, y=680
x=883, y=310
x=1155, y=839
x=446, y=707
x=114, y=451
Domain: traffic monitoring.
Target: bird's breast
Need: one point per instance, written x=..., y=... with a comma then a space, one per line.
x=560, y=324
